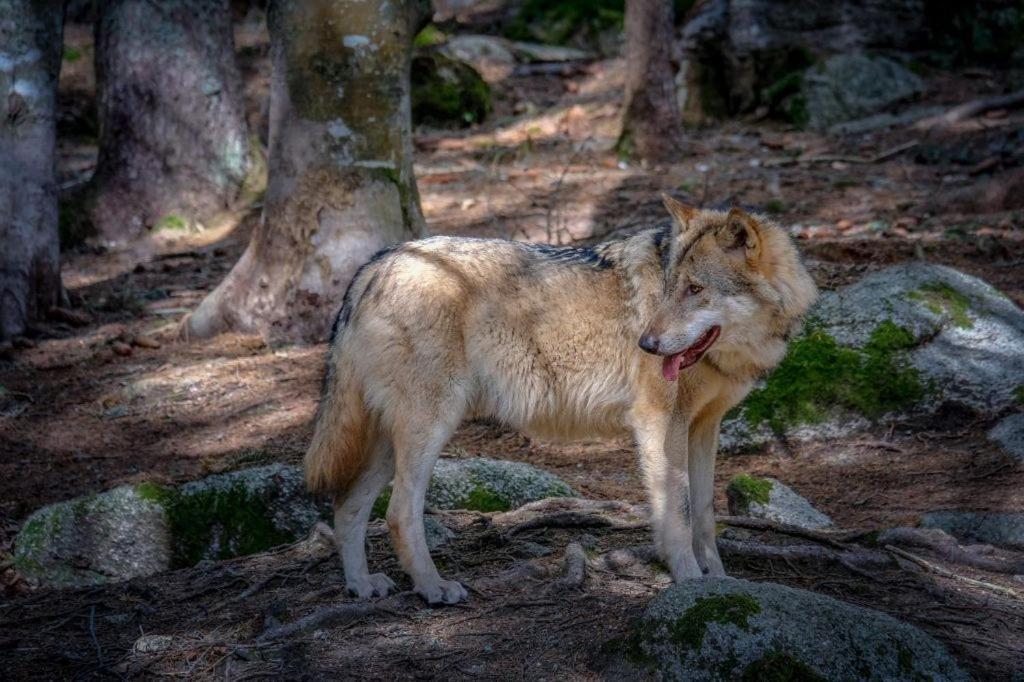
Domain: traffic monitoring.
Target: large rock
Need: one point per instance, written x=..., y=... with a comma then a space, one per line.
x=991, y=528
x=742, y=54
x=899, y=344
x=848, y=87
x=491, y=56
x=486, y=485
x=729, y=629
x=767, y=498
x=141, y=529
x=1009, y=434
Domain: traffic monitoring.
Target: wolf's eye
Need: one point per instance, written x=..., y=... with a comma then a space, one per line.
x=696, y=288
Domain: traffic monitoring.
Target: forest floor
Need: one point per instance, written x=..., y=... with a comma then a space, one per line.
x=112, y=396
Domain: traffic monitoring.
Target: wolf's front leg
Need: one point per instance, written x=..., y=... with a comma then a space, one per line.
x=703, y=448
x=662, y=443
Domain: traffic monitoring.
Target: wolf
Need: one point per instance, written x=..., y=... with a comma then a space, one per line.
x=656, y=335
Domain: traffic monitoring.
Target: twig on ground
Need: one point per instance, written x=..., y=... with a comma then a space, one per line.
x=946, y=573
x=575, y=568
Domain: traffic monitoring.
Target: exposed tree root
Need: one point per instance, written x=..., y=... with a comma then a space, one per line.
x=336, y=614
x=948, y=549
x=946, y=573
x=575, y=568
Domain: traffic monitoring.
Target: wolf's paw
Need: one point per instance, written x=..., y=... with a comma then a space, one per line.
x=375, y=585
x=443, y=592
x=686, y=569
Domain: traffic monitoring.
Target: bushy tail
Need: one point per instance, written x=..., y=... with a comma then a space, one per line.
x=344, y=435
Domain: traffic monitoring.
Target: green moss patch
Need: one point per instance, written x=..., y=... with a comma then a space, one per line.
x=818, y=374
x=736, y=609
x=779, y=667
x=216, y=523
x=945, y=301
x=430, y=36
x=446, y=92
x=72, y=54
x=171, y=221
x=747, y=489
x=1019, y=392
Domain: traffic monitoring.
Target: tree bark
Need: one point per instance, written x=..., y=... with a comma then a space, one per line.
x=30, y=55
x=651, y=122
x=341, y=184
x=174, y=147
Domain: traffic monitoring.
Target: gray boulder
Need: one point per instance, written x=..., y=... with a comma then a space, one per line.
x=1009, y=434
x=486, y=485
x=846, y=87
x=729, y=629
x=898, y=344
x=767, y=498
x=991, y=528
x=491, y=56
x=142, y=529
x=738, y=55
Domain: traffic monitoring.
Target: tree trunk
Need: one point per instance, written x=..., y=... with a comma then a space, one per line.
x=341, y=185
x=651, y=122
x=30, y=55
x=174, y=147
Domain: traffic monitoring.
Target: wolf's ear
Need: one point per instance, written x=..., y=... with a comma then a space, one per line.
x=741, y=232
x=682, y=213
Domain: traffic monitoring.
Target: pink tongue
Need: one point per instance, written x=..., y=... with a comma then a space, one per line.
x=670, y=367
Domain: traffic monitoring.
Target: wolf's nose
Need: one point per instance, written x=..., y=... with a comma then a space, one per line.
x=649, y=342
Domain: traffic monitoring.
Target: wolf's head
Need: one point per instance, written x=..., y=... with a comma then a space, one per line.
x=734, y=286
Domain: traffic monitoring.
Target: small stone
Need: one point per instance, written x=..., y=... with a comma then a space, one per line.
x=767, y=498
x=121, y=348
x=151, y=644
x=146, y=342
x=437, y=533
x=844, y=224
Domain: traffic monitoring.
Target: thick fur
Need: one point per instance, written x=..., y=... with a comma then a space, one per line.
x=544, y=340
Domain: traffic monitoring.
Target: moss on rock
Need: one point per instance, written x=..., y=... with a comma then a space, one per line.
x=746, y=489
x=943, y=300
x=779, y=667
x=485, y=485
x=818, y=375
x=447, y=92
x=735, y=609
x=730, y=629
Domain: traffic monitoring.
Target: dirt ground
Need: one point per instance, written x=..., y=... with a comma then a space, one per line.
x=112, y=396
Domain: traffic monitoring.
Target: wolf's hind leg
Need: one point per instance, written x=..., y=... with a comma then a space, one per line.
x=351, y=516
x=416, y=451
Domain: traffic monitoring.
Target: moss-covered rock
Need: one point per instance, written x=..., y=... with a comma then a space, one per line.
x=146, y=528
x=447, y=92
x=898, y=344
x=486, y=485
x=729, y=629
x=89, y=540
x=851, y=86
x=767, y=498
